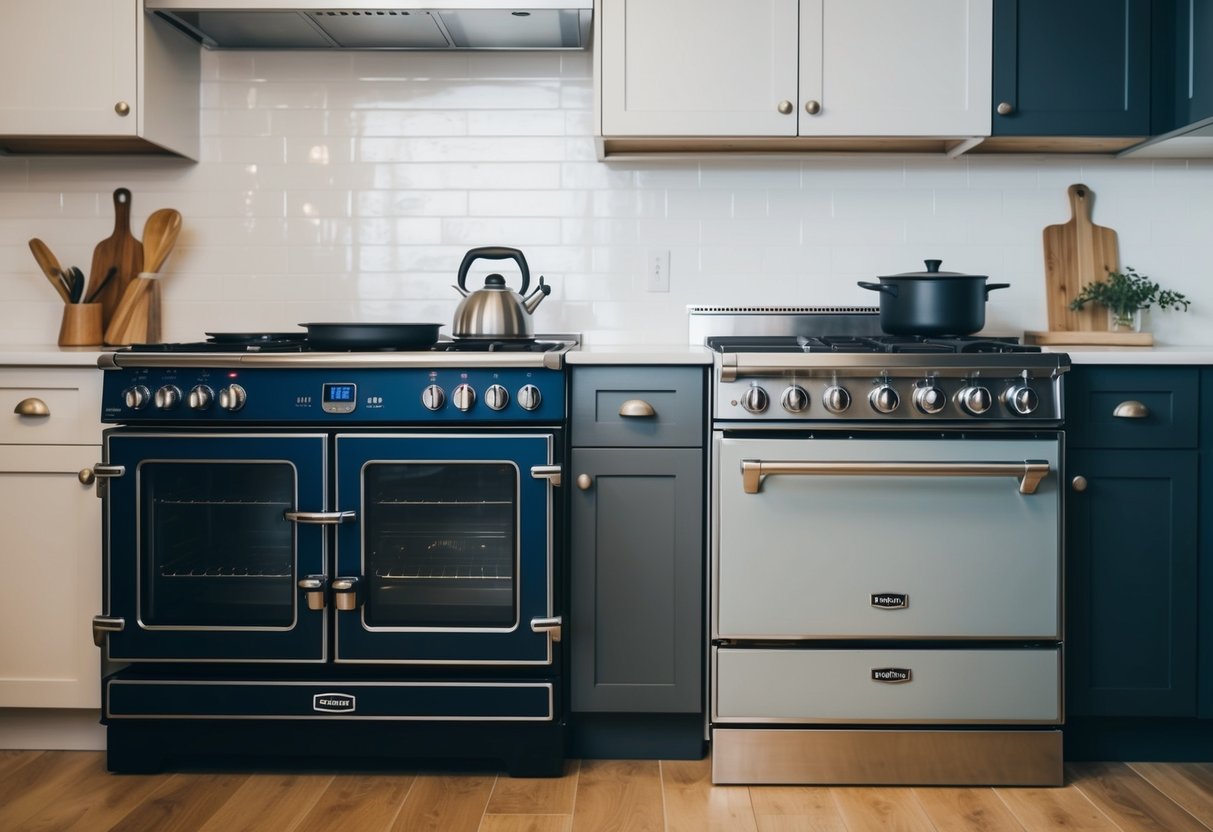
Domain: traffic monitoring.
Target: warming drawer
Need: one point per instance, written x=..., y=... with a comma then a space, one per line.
x=892, y=686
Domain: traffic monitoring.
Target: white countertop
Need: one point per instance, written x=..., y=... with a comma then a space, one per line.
x=641, y=354
x=1137, y=355
x=48, y=355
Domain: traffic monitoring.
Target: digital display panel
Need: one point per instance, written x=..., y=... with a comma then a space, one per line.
x=339, y=397
x=338, y=392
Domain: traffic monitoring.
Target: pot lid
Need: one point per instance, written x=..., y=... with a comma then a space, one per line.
x=932, y=272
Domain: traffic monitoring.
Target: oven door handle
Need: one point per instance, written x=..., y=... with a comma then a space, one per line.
x=320, y=518
x=1029, y=472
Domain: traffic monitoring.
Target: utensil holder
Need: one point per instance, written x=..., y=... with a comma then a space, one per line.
x=81, y=325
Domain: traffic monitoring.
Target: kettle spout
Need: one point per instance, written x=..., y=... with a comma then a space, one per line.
x=536, y=297
x=460, y=290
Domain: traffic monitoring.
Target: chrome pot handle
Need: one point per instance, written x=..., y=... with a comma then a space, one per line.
x=1029, y=472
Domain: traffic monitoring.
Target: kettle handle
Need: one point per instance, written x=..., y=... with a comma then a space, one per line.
x=494, y=253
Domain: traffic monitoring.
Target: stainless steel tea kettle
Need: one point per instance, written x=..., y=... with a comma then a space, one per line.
x=496, y=311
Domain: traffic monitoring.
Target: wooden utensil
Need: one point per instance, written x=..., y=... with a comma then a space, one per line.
x=130, y=321
x=173, y=218
x=50, y=267
x=121, y=250
x=1077, y=253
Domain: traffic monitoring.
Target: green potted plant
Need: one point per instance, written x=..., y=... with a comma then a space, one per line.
x=1125, y=294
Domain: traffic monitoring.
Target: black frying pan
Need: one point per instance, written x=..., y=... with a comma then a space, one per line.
x=370, y=336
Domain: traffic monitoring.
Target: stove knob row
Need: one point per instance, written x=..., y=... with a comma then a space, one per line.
x=496, y=397
x=884, y=399
x=232, y=398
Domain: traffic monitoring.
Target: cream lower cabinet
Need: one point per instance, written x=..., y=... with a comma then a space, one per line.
x=96, y=76
x=51, y=549
x=786, y=68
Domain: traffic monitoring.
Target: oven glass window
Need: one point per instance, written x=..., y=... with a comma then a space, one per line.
x=440, y=544
x=215, y=550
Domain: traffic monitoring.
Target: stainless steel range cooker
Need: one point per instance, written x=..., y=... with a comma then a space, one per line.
x=333, y=553
x=886, y=553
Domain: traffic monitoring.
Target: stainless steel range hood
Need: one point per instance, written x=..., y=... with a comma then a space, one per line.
x=380, y=24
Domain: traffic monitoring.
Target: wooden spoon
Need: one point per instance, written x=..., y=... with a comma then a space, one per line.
x=50, y=267
x=129, y=324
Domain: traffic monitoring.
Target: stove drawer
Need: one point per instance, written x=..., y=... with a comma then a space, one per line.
x=944, y=685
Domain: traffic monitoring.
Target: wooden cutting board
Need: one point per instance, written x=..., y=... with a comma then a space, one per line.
x=1077, y=252
x=120, y=250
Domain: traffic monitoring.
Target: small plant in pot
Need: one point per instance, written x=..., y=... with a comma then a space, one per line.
x=1125, y=294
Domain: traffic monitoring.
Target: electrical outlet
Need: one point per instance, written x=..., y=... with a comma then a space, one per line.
x=657, y=278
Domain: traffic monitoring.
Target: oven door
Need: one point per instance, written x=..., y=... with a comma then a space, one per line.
x=887, y=536
x=450, y=559
x=201, y=563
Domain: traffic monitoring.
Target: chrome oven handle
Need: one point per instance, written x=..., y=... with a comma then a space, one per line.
x=1029, y=472
x=551, y=626
x=320, y=518
x=103, y=624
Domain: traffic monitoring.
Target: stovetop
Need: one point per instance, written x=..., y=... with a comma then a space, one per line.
x=868, y=344
x=290, y=342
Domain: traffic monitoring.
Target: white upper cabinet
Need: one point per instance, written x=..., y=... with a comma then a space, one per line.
x=795, y=68
x=96, y=76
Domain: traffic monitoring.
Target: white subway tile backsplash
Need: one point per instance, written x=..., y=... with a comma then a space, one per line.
x=349, y=186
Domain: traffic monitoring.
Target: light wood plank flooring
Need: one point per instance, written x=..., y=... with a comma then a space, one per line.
x=71, y=790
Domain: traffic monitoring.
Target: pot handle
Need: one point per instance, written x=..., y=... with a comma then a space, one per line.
x=990, y=287
x=887, y=288
x=494, y=253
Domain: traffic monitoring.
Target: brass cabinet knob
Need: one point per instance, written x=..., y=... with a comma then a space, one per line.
x=1079, y=483
x=785, y=107
x=584, y=481
x=1005, y=108
x=812, y=107
x=634, y=408
x=86, y=476
x=122, y=108
x=1131, y=410
x=32, y=406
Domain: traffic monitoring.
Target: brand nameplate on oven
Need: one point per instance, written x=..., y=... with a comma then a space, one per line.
x=333, y=703
x=890, y=600
x=891, y=674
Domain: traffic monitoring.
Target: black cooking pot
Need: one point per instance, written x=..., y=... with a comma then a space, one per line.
x=933, y=302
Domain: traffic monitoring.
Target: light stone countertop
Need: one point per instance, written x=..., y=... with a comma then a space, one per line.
x=640, y=354
x=1190, y=355
x=48, y=355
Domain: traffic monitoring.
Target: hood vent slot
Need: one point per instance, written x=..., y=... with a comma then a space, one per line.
x=397, y=24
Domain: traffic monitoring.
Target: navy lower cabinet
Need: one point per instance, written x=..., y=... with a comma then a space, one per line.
x=1133, y=546
x=636, y=615
x=1071, y=68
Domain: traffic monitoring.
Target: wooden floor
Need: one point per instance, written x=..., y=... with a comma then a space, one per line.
x=60, y=790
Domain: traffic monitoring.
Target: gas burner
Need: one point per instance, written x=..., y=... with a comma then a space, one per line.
x=489, y=345
x=867, y=344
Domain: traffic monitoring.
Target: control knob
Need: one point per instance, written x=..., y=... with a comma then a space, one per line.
x=529, y=397
x=496, y=397
x=232, y=398
x=168, y=397
x=200, y=397
x=433, y=397
x=795, y=399
x=929, y=400
x=836, y=399
x=464, y=397
x=755, y=399
x=1021, y=399
x=137, y=397
x=975, y=400
x=884, y=399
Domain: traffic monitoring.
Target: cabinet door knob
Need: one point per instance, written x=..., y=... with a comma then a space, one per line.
x=1005, y=108
x=584, y=481
x=812, y=107
x=86, y=476
x=32, y=406
x=1131, y=410
x=1079, y=483
x=636, y=408
x=785, y=107
x=122, y=108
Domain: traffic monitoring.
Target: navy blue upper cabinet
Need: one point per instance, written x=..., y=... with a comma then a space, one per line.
x=1072, y=68
x=1192, y=52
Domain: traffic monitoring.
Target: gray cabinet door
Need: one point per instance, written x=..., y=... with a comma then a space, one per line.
x=637, y=588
